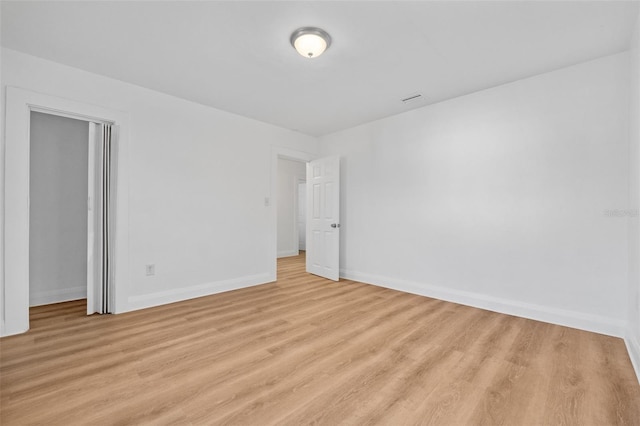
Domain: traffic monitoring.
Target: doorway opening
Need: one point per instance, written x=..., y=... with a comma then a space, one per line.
x=71, y=195
x=299, y=159
x=58, y=188
x=291, y=173
x=322, y=236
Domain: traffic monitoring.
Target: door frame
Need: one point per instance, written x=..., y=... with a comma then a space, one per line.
x=296, y=206
x=286, y=154
x=14, y=305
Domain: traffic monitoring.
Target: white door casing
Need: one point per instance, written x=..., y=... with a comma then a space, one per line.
x=14, y=310
x=323, y=217
x=301, y=213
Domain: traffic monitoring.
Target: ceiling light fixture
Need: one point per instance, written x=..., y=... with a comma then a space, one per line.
x=310, y=42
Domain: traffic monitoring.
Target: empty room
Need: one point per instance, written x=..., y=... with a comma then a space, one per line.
x=320, y=212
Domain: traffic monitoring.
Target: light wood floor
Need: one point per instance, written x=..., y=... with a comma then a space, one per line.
x=306, y=350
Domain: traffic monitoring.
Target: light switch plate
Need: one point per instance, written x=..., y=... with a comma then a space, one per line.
x=150, y=269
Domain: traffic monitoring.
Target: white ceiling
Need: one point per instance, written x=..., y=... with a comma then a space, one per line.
x=236, y=55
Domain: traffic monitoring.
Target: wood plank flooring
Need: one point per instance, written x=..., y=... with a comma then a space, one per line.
x=307, y=350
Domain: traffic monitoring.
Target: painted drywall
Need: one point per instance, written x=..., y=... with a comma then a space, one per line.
x=500, y=199
x=633, y=332
x=57, y=209
x=289, y=173
x=198, y=178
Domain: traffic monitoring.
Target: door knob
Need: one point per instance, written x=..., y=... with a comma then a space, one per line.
x=335, y=225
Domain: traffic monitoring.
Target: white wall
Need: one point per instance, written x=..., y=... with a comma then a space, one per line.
x=497, y=199
x=58, y=209
x=633, y=333
x=289, y=172
x=198, y=178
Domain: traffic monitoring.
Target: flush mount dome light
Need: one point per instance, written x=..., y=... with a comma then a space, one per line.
x=310, y=42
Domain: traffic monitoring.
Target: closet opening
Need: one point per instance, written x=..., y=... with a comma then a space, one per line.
x=71, y=195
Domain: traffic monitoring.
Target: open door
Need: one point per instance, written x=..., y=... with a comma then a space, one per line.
x=323, y=217
x=93, y=247
x=101, y=224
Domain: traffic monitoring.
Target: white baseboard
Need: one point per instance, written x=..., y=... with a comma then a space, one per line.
x=179, y=294
x=288, y=253
x=633, y=347
x=56, y=296
x=573, y=319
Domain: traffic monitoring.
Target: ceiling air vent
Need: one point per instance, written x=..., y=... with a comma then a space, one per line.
x=413, y=98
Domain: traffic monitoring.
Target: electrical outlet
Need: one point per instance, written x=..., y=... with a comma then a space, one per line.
x=150, y=269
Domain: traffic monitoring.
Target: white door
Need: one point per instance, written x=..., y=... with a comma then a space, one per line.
x=101, y=224
x=323, y=217
x=94, y=290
